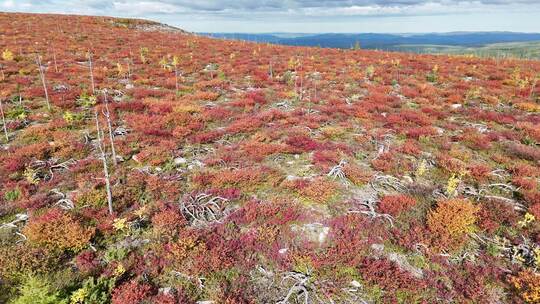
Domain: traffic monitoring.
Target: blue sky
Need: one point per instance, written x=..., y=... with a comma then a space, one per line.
x=308, y=16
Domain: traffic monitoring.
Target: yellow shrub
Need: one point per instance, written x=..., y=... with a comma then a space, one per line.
x=527, y=284
x=58, y=231
x=450, y=223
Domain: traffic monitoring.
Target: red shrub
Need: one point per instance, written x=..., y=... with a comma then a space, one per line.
x=523, y=151
x=479, y=172
x=417, y=132
x=395, y=204
x=384, y=163
x=131, y=292
x=302, y=143
x=326, y=158
x=168, y=221
x=272, y=213
x=410, y=147
x=525, y=183
x=87, y=261
x=388, y=275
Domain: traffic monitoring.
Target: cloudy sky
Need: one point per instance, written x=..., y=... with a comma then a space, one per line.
x=395, y=16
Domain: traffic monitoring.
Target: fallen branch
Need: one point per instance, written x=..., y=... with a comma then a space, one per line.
x=372, y=213
x=19, y=218
x=203, y=208
x=63, y=202
x=387, y=181
x=337, y=172
x=299, y=287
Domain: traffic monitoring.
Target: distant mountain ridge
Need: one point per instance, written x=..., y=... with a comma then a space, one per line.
x=383, y=41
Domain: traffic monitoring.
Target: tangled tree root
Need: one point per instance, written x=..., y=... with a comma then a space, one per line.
x=203, y=209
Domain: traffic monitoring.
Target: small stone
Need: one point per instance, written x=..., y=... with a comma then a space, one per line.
x=355, y=283
x=180, y=161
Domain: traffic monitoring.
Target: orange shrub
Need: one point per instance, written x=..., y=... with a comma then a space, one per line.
x=527, y=284
x=319, y=190
x=450, y=223
x=357, y=175
x=395, y=204
x=58, y=231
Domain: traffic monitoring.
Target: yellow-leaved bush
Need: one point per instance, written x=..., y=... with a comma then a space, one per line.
x=450, y=223
x=527, y=284
x=58, y=231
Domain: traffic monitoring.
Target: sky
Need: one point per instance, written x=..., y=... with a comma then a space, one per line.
x=308, y=16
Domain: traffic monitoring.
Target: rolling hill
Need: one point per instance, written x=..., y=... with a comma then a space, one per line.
x=140, y=163
x=521, y=45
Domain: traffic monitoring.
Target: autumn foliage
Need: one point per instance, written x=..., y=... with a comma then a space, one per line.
x=58, y=231
x=450, y=222
x=247, y=172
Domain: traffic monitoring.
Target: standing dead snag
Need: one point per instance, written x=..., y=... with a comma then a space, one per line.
x=104, y=160
x=109, y=125
x=42, y=76
x=175, y=63
x=4, y=121
x=91, y=72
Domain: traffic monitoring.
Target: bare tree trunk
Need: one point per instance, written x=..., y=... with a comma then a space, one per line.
x=109, y=125
x=91, y=73
x=129, y=68
x=105, y=166
x=4, y=121
x=533, y=87
x=42, y=76
x=176, y=77
x=54, y=58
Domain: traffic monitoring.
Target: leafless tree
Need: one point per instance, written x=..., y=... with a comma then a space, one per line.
x=107, y=114
x=4, y=121
x=54, y=59
x=104, y=161
x=43, y=81
x=91, y=72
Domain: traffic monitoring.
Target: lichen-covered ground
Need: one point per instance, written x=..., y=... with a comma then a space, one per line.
x=252, y=173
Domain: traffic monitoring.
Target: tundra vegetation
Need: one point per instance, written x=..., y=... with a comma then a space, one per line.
x=143, y=164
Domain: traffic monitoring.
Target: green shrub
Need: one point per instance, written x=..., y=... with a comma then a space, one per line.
x=37, y=290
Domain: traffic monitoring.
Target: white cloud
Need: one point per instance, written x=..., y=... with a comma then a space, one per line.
x=273, y=12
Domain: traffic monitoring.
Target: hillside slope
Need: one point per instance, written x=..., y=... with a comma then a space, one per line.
x=250, y=173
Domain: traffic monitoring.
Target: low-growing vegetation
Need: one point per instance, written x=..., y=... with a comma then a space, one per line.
x=139, y=164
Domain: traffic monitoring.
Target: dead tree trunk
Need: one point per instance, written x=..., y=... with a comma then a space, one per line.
x=4, y=120
x=91, y=73
x=104, y=161
x=54, y=58
x=107, y=114
x=129, y=68
x=533, y=87
x=42, y=76
x=176, y=77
